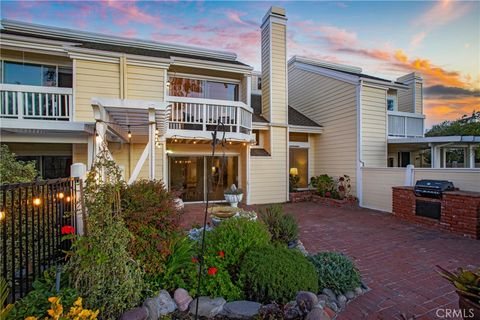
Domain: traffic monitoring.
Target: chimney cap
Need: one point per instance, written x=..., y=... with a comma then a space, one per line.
x=277, y=12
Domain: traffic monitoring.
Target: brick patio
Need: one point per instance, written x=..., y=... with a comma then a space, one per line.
x=396, y=259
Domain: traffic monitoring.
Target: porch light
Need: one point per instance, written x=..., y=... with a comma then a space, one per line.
x=229, y=142
x=37, y=201
x=129, y=133
x=244, y=144
x=194, y=141
x=2, y=214
x=168, y=151
x=294, y=171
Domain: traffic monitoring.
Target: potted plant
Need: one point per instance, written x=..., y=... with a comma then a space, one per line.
x=468, y=289
x=233, y=195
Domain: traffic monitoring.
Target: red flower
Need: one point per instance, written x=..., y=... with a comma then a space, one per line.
x=212, y=271
x=68, y=230
x=328, y=194
x=194, y=260
x=221, y=254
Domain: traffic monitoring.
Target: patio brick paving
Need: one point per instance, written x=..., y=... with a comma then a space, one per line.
x=396, y=259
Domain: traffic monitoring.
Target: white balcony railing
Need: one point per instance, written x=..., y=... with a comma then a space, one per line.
x=35, y=102
x=405, y=124
x=205, y=114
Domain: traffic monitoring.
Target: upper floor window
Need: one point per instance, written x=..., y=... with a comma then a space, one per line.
x=259, y=83
x=391, y=105
x=207, y=89
x=36, y=74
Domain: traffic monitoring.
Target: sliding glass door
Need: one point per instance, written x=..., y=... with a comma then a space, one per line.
x=190, y=176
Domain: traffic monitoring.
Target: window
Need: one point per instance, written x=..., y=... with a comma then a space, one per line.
x=299, y=165
x=259, y=83
x=298, y=137
x=50, y=167
x=403, y=159
x=192, y=88
x=390, y=104
x=36, y=75
x=257, y=137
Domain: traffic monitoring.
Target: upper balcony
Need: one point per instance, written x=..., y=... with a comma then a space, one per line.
x=188, y=116
x=36, y=102
x=405, y=124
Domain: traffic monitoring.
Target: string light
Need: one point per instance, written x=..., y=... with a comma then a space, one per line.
x=68, y=199
x=60, y=195
x=2, y=214
x=37, y=201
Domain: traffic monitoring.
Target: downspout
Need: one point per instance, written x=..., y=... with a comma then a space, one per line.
x=359, y=161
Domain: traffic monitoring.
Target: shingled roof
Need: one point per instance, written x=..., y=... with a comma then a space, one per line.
x=295, y=117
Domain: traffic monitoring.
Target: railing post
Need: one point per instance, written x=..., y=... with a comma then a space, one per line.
x=409, y=175
x=204, y=124
x=405, y=124
x=238, y=118
x=79, y=170
x=20, y=104
x=70, y=107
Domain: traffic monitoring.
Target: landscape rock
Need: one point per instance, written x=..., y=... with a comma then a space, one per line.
x=342, y=300
x=306, y=300
x=207, y=307
x=317, y=314
x=166, y=303
x=332, y=305
x=241, y=309
x=291, y=311
x=140, y=313
x=182, y=299
x=153, y=307
x=350, y=295
x=358, y=291
x=329, y=293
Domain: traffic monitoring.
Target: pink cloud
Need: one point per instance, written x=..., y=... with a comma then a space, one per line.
x=418, y=38
x=441, y=13
x=131, y=13
x=235, y=16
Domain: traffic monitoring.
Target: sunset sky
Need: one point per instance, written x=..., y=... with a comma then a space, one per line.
x=440, y=40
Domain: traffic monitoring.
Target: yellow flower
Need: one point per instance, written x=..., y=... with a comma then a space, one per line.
x=78, y=302
x=51, y=312
x=53, y=299
x=31, y=318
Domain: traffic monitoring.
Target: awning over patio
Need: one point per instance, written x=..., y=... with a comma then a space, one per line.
x=127, y=117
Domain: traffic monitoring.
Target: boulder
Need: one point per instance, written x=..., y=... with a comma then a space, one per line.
x=358, y=291
x=140, y=313
x=241, y=309
x=333, y=305
x=167, y=305
x=350, y=295
x=182, y=299
x=317, y=314
x=153, y=307
x=207, y=307
x=341, y=300
x=270, y=311
x=306, y=300
x=330, y=294
x=291, y=311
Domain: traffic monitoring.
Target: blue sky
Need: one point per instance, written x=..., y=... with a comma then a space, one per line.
x=439, y=39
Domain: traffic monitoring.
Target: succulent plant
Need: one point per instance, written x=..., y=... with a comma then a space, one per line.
x=466, y=281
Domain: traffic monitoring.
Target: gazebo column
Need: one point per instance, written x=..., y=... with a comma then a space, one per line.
x=152, y=127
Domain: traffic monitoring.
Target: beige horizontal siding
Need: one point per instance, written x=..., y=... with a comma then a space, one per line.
x=32, y=57
x=80, y=153
x=331, y=103
x=145, y=83
x=268, y=175
x=374, y=127
x=94, y=79
x=465, y=179
x=279, y=73
x=405, y=99
x=377, y=186
x=418, y=98
x=265, y=71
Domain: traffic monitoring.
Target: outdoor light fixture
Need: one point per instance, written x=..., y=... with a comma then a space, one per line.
x=129, y=133
x=60, y=195
x=244, y=144
x=294, y=171
x=37, y=201
x=98, y=138
x=2, y=214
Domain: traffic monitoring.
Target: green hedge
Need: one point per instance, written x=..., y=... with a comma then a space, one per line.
x=275, y=273
x=335, y=271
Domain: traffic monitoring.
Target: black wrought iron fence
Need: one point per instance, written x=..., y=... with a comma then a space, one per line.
x=33, y=218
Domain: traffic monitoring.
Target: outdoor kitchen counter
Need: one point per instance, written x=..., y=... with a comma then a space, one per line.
x=458, y=210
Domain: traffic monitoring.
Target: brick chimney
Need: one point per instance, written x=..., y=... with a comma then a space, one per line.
x=274, y=66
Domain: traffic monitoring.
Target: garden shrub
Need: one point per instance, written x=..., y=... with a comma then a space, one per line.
x=150, y=215
x=276, y=273
x=282, y=227
x=13, y=170
x=335, y=271
x=35, y=303
x=101, y=268
x=226, y=246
